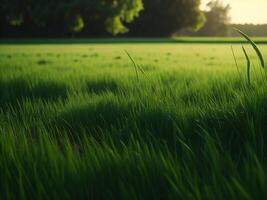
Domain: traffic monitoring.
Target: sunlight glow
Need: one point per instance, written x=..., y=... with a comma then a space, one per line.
x=245, y=11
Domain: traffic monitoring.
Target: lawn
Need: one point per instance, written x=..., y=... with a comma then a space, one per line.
x=79, y=121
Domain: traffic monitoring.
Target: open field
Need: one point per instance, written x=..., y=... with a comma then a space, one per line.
x=77, y=122
x=194, y=40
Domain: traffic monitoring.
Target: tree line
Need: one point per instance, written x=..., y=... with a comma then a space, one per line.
x=218, y=24
x=105, y=18
x=63, y=18
x=67, y=17
x=250, y=29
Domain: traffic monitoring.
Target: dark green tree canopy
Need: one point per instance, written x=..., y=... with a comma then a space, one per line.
x=71, y=15
x=165, y=17
x=61, y=18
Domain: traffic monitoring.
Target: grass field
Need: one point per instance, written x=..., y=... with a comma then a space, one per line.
x=77, y=122
x=179, y=40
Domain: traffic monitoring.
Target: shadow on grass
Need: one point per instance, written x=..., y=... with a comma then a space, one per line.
x=95, y=119
x=43, y=62
x=231, y=129
x=14, y=91
x=118, y=121
x=101, y=86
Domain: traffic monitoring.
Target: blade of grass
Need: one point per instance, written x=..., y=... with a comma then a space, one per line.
x=140, y=68
x=236, y=63
x=253, y=44
x=134, y=63
x=248, y=64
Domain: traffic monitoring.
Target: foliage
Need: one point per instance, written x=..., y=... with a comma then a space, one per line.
x=256, y=30
x=217, y=19
x=160, y=17
x=165, y=17
x=72, y=14
x=76, y=24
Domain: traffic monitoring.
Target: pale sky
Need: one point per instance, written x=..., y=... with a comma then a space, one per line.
x=245, y=11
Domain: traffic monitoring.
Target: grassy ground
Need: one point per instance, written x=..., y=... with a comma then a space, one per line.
x=188, y=40
x=76, y=122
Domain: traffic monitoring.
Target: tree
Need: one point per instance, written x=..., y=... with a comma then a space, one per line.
x=112, y=14
x=255, y=30
x=165, y=17
x=217, y=19
x=71, y=15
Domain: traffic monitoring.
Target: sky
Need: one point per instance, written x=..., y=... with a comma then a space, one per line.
x=245, y=11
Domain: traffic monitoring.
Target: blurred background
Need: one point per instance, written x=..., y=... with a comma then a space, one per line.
x=131, y=18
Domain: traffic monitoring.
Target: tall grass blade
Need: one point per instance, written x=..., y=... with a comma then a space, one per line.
x=253, y=44
x=134, y=63
x=237, y=68
x=248, y=64
x=141, y=70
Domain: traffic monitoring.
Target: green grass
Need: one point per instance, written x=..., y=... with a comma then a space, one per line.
x=75, y=123
x=194, y=40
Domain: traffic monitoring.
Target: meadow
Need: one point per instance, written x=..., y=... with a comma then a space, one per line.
x=79, y=121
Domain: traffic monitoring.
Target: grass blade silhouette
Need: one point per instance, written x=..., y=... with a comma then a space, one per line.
x=134, y=63
x=136, y=66
x=253, y=44
x=248, y=64
x=237, y=68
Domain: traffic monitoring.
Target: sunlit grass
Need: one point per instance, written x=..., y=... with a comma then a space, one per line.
x=76, y=123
